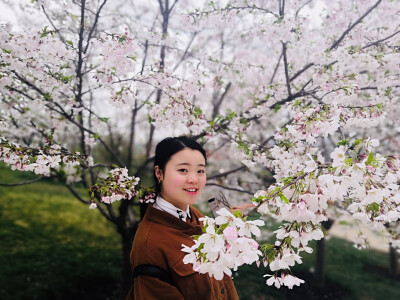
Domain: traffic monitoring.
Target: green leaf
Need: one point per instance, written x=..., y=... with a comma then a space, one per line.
x=122, y=39
x=271, y=256
x=105, y=120
x=276, y=108
x=370, y=158
x=200, y=247
x=351, y=76
x=348, y=161
x=205, y=227
x=283, y=198
x=47, y=96
x=388, y=91
x=266, y=247
x=343, y=142
x=244, y=121
x=197, y=112
x=357, y=142
x=258, y=199
x=44, y=32
x=374, y=206
x=237, y=214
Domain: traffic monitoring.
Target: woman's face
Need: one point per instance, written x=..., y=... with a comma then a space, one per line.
x=184, y=178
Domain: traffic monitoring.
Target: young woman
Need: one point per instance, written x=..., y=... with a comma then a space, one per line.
x=156, y=257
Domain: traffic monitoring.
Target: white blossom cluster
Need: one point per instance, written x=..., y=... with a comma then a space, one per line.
x=175, y=113
x=44, y=162
x=117, y=186
x=226, y=244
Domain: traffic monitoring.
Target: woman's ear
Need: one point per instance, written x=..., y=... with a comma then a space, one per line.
x=159, y=173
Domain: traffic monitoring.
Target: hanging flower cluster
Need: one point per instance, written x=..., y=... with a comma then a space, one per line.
x=226, y=244
x=117, y=186
x=43, y=160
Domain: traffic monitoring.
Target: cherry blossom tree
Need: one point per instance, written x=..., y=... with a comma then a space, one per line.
x=298, y=93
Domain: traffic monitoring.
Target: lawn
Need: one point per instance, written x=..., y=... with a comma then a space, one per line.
x=54, y=247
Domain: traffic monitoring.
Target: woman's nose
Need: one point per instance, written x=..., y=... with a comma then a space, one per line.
x=192, y=178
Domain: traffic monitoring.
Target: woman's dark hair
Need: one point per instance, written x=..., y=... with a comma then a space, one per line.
x=168, y=147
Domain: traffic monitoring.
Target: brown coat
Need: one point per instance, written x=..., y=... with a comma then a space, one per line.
x=158, y=242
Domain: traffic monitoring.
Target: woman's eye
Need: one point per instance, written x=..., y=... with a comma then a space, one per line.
x=201, y=171
x=182, y=170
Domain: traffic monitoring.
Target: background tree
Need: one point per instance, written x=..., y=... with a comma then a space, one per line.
x=260, y=81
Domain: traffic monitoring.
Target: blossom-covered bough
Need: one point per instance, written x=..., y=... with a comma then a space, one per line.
x=298, y=93
x=356, y=179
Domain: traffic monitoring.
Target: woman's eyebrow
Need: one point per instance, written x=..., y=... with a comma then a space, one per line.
x=187, y=164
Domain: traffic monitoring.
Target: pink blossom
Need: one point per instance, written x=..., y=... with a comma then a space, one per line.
x=230, y=233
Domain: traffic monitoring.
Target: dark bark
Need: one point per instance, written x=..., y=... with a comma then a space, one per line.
x=393, y=261
x=319, y=275
x=126, y=275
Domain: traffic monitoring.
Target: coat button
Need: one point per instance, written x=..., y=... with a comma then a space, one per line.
x=222, y=291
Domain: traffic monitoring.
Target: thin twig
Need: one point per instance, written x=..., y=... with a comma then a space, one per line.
x=226, y=173
x=277, y=192
x=96, y=19
x=338, y=41
x=77, y=196
x=229, y=188
x=382, y=40
x=52, y=24
x=285, y=62
x=276, y=69
x=21, y=183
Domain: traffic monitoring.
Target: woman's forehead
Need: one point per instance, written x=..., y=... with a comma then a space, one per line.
x=188, y=157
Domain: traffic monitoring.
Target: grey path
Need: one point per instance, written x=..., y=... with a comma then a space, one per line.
x=377, y=241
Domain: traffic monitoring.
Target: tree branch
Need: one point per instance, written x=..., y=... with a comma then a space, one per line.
x=77, y=196
x=301, y=7
x=336, y=44
x=306, y=67
x=281, y=8
x=277, y=192
x=380, y=41
x=52, y=24
x=186, y=51
x=286, y=68
x=230, y=188
x=218, y=104
x=96, y=19
x=69, y=118
x=226, y=173
x=21, y=183
x=276, y=68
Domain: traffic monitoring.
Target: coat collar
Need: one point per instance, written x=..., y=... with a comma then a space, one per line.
x=161, y=217
x=166, y=206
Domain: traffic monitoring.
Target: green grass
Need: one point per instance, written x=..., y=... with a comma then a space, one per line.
x=346, y=269
x=54, y=247
x=51, y=245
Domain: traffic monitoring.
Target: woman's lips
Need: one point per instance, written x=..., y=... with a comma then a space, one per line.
x=191, y=191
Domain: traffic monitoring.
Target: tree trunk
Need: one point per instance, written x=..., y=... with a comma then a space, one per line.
x=319, y=275
x=126, y=275
x=393, y=261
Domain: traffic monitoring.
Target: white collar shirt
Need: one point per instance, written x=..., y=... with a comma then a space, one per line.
x=164, y=205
